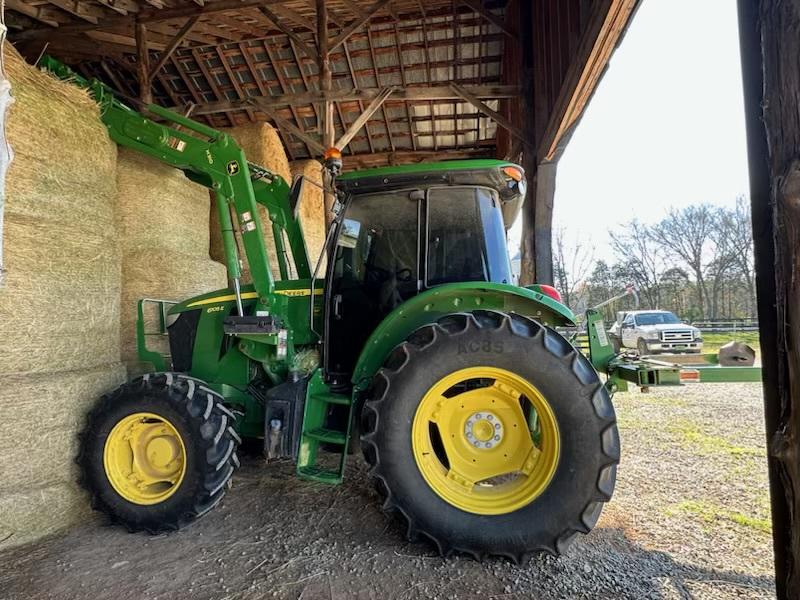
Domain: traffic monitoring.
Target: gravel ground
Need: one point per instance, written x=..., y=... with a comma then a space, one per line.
x=690, y=519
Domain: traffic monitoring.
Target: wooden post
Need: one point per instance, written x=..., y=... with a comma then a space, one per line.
x=770, y=52
x=143, y=64
x=543, y=197
x=528, y=273
x=326, y=126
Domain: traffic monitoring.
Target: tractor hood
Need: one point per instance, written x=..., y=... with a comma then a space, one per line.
x=495, y=174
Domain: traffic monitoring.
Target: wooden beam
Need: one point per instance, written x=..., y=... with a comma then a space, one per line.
x=143, y=64
x=176, y=41
x=770, y=66
x=326, y=125
x=287, y=125
x=355, y=85
x=437, y=93
x=374, y=63
x=79, y=9
x=399, y=157
x=358, y=23
x=466, y=95
x=151, y=15
x=38, y=13
x=310, y=49
x=363, y=118
x=477, y=6
x=279, y=76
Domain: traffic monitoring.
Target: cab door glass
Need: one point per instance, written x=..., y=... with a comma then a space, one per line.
x=466, y=237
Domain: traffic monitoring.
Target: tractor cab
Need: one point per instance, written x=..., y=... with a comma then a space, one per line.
x=404, y=230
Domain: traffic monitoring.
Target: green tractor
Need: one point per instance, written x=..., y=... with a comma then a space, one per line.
x=483, y=428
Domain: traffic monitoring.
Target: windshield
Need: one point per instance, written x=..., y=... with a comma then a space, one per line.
x=657, y=318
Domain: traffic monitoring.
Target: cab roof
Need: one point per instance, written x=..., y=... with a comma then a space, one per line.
x=484, y=172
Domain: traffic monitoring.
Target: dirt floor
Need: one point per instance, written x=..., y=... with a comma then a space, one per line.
x=689, y=519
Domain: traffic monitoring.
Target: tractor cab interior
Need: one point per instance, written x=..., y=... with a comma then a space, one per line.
x=391, y=245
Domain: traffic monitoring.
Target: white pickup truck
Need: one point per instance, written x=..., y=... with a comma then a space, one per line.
x=654, y=332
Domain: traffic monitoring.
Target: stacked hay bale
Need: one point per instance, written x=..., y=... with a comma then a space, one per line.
x=164, y=235
x=59, y=304
x=262, y=145
x=312, y=208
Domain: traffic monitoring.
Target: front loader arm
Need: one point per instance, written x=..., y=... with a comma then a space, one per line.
x=212, y=159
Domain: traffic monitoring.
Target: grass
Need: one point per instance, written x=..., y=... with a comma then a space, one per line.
x=710, y=513
x=691, y=434
x=713, y=341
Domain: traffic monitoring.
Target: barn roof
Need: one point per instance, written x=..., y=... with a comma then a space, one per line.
x=237, y=61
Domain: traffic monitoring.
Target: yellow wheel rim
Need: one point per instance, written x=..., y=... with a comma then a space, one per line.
x=486, y=440
x=144, y=458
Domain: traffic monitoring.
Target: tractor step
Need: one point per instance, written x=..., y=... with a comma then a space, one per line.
x=323, y=411
x=328, y=436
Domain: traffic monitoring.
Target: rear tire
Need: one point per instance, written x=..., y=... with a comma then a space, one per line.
x=641, y=347
x=585, y=473
x=195, y=416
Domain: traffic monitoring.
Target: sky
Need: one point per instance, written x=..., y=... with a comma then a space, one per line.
x=665, y=127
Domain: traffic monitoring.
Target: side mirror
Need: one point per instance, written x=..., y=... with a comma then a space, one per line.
x=295, y=193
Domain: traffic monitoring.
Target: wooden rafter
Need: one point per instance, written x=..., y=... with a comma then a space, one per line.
x=310, y=49
x=477, y=6
x=176, y=41
x=358, y=23
x=437, y=93
x=467, y=96
x=143, y=64
x=378, y=83
x=363, y=118
x=281, y=81
x=355, y=86
x=288, y=125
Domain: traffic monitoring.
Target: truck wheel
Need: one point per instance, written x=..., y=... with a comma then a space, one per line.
x=616, y=344
x=158, y=452
x=491, y=435
x=641, y=346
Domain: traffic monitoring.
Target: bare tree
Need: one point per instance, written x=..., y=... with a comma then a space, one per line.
x=687, y=235
x=572, y=264
x=640, y=259
x=735, y=231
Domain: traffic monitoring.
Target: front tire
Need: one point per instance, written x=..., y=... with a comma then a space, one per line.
x=503, y=515
x=158, y=452
x=641, y=347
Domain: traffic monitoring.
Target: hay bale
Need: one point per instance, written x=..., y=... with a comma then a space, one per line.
x=262, y=145
x=164, y=231
x=159, y=207
x=153, y=273
x=311, y=210
x=59, y=307
x=43, y=446
x=34, y=513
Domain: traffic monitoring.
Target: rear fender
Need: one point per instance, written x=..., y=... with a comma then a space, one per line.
x=442, y=300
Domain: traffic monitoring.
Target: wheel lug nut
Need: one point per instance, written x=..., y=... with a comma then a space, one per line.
x=497, y=438
x=497, y=425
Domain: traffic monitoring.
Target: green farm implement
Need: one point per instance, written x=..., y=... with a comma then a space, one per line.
x=484, y=428
x=627, y=368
